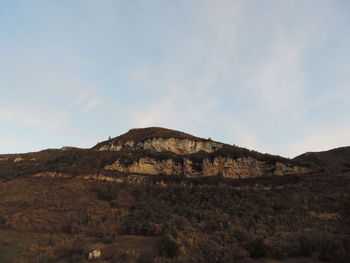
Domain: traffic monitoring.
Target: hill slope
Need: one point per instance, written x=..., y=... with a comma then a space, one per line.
x=150, y=152
x=172, y=206
x=336, y=160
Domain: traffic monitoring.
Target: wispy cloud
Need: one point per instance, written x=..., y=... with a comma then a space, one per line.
x=266, y=75
x=31, y=119
x=89, y=101
x=4, y=115
x=245, y=55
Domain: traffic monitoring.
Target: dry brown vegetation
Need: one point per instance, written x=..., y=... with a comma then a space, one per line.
x=170, y=219
x=77, y=161
x=335, y=160
x=175, y=219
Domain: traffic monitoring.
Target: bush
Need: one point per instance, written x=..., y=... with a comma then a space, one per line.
x=119, y=255
x=107, y=192
x=3, y=219
x=170, y=247
x=145, y=258
x=257, y=248
x=322, y=245
x=212, y=251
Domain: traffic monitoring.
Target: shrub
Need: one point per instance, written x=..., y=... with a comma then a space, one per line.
x=322, y=245
x=219, y=253
x=257, y=248
x=170, y=247
x=145, y=258
x=3, y=219
x=107, y=192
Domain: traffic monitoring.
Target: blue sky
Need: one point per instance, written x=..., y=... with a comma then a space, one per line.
x=268, y=75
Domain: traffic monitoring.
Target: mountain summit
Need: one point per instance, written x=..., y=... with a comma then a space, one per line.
x=159, y=140
x=142, y=134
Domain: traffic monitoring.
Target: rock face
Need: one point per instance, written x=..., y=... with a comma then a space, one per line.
x=175, y=145
x=129, y=179
x=199, y=157
x=95, y=254
x=243, y=167
x=140, y=153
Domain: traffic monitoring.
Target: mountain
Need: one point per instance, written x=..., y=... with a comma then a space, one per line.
x=147, y=152
x=159, y=140
x=155, y=195
x=335, y=160
x=143, y=134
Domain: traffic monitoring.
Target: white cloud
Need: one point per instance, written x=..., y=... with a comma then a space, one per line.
x=32, y=119
x=139, y=75
x=4, y=115
x=235, y=66
x=184, y=85
x=89, y=101
x=280, y=83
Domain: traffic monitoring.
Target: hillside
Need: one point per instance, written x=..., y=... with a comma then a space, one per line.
x=139, y=153
x=176, y=220
x=156, y=195
x=335, y=160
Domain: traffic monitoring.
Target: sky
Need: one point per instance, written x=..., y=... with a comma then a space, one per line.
x=268, y=75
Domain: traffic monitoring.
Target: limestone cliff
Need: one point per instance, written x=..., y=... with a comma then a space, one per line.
x=198, y=156
x=243, y=167
x=151, y=151
x=159, y=140
x=175, y=145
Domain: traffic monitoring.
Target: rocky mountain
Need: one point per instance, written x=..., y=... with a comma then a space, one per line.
x=161, y=196
x=159, y=140
x=141, y=153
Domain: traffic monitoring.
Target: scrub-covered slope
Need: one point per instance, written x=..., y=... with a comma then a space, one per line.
x=335, y=160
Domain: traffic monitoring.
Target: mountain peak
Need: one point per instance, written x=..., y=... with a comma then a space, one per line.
x=143, y=134
x=159, y=139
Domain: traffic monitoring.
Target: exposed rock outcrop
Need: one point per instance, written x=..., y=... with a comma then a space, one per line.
x=95, y=254
x=129, y=178
x=228, y=167
x=175, y=145
x=18, y=159
x=140, y=153
x=52, y=174
x=159, y=140
x=199, y=157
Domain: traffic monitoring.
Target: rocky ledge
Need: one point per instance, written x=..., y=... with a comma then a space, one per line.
x=242, y=167
x=175, y=145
